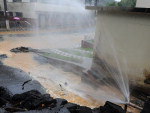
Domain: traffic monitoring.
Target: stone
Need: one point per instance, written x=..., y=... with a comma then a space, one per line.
x=61, y=102
x=2, y=56
x=111, y=108
x=146, y=108
x=147, y=81
x=33, y=100
x=21, y=97
x=5, y=94
x=20, y=50
x=13, y=109
x=84, y=109
x=2, y=102
x=74, y=108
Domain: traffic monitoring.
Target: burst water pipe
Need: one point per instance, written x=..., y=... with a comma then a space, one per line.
x=132, y=105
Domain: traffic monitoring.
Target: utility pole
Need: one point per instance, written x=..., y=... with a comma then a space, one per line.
x=6, y=16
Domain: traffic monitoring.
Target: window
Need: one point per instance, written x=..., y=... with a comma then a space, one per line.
x=10, y=13
x=9, y=0
x=26, y=1
x=17, y=0
x=19, y=14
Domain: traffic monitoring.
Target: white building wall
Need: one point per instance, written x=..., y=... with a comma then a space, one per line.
x=143, y=3
x=1, y=4
x=29, y=9
x=124, y=38
x=9, y=0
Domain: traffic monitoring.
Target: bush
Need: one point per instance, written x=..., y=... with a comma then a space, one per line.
x=123, y=3
x=127, y=3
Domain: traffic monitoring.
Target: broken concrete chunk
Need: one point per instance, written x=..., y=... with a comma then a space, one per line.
x=111, y=108
x=5, y=94
x=32, y=100
x=20, y=50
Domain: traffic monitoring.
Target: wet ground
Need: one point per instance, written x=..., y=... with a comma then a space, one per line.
x=57, y=82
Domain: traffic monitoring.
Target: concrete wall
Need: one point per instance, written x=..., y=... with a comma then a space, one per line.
x=143, y=3
x=123, y=41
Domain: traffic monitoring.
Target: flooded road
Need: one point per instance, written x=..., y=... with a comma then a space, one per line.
x=59, y=84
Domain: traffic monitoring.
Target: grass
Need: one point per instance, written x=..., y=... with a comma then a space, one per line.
x=78, y=53
x=86, y=49
x=67, y=58
x=91, y=41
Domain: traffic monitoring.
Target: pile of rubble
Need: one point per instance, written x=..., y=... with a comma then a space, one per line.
x=34, y=100
x=20, y=50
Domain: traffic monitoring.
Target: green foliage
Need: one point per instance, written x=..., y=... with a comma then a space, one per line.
x=123, y=3
x=61, y=57
x=127, y=3
x=112, y=4
x=86, y=49
x=78, y=53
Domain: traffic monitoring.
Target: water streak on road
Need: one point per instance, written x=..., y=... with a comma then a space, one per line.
x=56, y=81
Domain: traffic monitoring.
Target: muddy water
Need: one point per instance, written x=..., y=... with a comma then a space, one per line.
x=57, y=82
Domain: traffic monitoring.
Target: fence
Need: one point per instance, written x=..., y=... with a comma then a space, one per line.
x=15, y=25
x=91, y=2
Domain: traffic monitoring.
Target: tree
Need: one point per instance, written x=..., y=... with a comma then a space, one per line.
x=127, y=3
x=123, y=3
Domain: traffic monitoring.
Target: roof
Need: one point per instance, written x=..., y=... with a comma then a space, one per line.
x=120, y=9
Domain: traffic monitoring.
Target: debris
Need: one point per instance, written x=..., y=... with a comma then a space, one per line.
x=147, y=81
x=2, y=102
x=34, y=100
x=61, y=102
x=146, y=108
x=147, y=76
x=13, y=109
x=61, y=87
x=2, y=56
x=20, y=50
x=5, y=96
x=111, y=108
x=79, y=109
x=66, y=83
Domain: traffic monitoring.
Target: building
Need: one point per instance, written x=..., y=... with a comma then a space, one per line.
x=46, y=13
x=143, y=3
